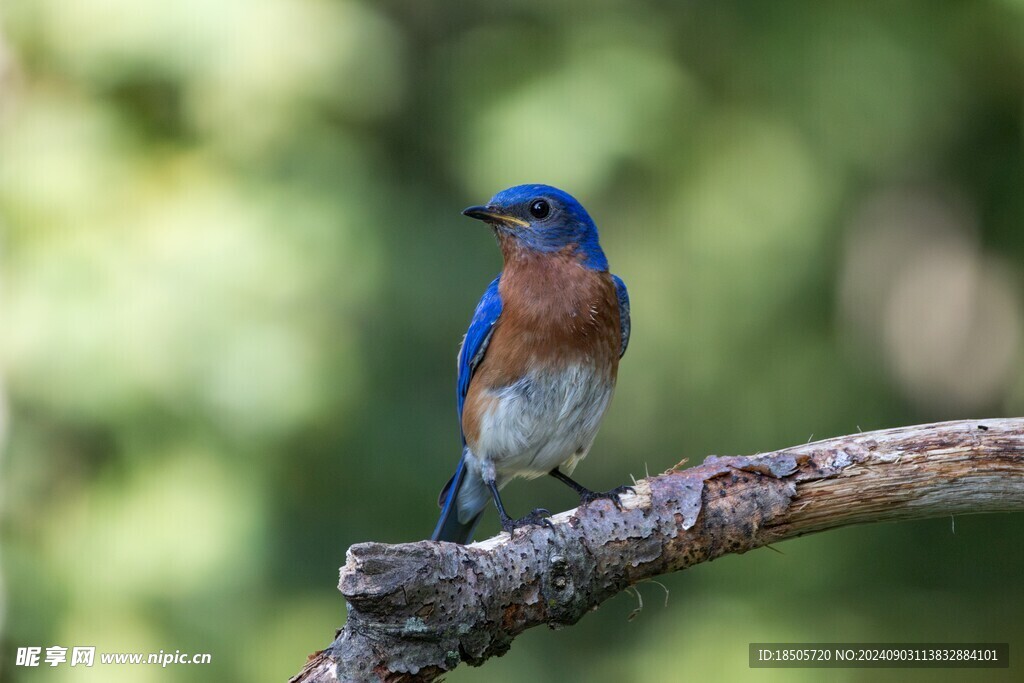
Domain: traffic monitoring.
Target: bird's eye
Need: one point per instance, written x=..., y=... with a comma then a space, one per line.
x=540, y=209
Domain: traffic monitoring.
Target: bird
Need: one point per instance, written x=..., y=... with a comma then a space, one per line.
x=538, y=364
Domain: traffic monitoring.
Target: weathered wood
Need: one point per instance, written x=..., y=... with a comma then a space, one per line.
x=417, y=610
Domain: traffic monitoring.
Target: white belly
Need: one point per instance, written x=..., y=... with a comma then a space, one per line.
x=545, y=420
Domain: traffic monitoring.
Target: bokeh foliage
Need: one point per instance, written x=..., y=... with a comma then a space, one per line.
x=234, y=277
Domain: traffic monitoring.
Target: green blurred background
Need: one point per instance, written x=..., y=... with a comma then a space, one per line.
x=233, y=277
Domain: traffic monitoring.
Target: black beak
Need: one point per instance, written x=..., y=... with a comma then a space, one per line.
x=479, y=212
x=490, y=214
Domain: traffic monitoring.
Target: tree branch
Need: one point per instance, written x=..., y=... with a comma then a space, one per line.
x=417, y=610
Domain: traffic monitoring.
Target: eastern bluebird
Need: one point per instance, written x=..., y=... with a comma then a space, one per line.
x=538, y=364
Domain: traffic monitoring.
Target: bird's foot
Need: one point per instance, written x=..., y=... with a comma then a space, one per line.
x=538, y=517
x=614, y=495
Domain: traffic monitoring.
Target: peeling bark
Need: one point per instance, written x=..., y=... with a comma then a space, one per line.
x=416, y=610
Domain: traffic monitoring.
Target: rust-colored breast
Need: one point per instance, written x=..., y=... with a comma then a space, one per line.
x=555, y=312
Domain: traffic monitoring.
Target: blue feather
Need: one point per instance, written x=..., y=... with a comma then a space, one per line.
x=474, y=346
x=624, y=322
x=478, y=336
x=449, y=528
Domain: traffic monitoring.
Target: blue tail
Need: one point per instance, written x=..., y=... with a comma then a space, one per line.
x=449, y=528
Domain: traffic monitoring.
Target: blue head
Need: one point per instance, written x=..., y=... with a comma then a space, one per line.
x=542, y=218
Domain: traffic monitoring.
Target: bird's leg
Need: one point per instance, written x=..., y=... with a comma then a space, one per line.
x=536, y=518
x=588, y=496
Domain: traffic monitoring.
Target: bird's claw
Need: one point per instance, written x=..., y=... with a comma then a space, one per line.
x=538, y=517
x=613, y=495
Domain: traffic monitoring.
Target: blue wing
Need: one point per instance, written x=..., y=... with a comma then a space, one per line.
x=620, y=291
x=478, y=336
x=474, y=346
